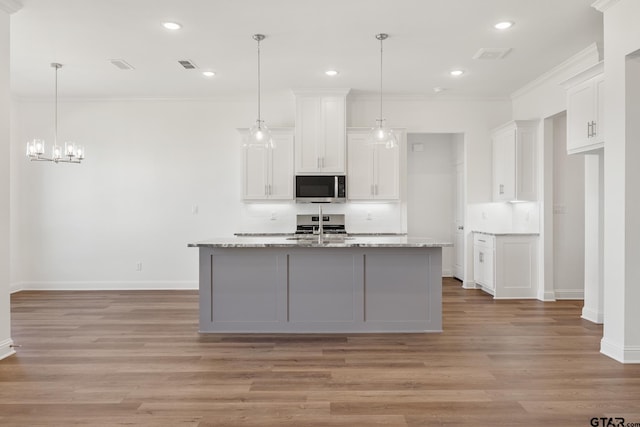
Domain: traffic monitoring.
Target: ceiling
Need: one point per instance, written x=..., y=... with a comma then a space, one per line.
x=427, y=38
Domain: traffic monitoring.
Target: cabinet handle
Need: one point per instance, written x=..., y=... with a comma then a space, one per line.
x=322, y=162
x=481, y=257
x=588, y=130
x=483, y=241
x=501, y=188
x=269, y=188
x=371, y=192
x=460, y=227
x=593, y=129
x=375, y=186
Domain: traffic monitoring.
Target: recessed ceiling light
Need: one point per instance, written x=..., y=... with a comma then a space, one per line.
x=456, y=73
x=171, y=25
x=504, y=25
x=438, y=89
x=331, y=73
x=208, y=73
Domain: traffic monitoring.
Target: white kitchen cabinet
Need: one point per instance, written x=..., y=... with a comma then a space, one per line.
x=585, y=117
x=320, y=132
x=268, y=173
x=373, y=171
x=505, y=265
x=483, y=250
x=514, y=161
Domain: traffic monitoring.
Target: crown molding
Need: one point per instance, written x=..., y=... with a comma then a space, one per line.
x=10, y=6
x=603, y=5
x=591, y=51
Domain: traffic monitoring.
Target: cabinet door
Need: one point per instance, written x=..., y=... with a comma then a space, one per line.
x=579, y=116
x=598, y=88
x=386, y=169
x=526, y=164
x=359, y=167
x=280, y=184
x=488, y=272
x=331, y=151
x=504, y=168
x=478, y=267
x=255, y=173
x=308, y=134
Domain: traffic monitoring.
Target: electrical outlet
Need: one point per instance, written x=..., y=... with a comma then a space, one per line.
x=273, y=216
x=139, y=266
x=369, y=217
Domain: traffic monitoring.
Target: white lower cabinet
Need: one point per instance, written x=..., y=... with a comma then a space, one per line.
x=505, y=265
x=268, y=173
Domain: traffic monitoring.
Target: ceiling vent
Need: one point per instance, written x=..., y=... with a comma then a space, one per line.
x=492, y=53
x=188, y=65
x=121, y=64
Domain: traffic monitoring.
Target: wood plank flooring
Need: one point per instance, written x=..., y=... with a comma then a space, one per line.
x=135, y=358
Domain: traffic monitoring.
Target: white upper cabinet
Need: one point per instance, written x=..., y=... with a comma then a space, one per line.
x=268, y=173
x=320, y=131
x=585, y=118
x=514, y=161
x=373, y=171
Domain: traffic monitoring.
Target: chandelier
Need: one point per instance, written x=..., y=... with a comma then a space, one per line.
x=70, y=153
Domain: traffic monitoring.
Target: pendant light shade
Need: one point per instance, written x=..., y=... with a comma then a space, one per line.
x=71, y=153
x=259, y=133
x=380, y=134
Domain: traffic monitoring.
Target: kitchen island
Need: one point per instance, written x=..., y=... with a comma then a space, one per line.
x=271, y=284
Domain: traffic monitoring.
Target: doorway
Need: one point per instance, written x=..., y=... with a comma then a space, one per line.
x=435, y=194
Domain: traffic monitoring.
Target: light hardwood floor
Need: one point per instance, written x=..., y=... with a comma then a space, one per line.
x=135, y=358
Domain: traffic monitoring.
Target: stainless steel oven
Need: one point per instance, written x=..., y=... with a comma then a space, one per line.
x=321, y=188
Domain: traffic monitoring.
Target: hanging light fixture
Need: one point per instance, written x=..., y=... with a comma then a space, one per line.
x=72, y=153
x=380, y=134
x=259, y=133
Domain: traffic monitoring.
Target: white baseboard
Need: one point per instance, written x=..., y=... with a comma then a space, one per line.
x=569, y=293
x=592, y=315
x=547, y=296
x=468, y=284
x=5, y=348
x=623, y=354
x=107, y=286
x=16, y=287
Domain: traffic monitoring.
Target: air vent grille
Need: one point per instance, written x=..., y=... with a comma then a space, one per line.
x=492, y=53
x=121, y=64
x=187, y=64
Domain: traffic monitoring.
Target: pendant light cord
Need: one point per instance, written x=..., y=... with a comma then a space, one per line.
x=55, y=125
x=258, y=39
x=381, y=39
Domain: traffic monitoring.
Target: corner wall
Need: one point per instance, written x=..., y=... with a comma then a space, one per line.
x=621, y=339
x=5, y=297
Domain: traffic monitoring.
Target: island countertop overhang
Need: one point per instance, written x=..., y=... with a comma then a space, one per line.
x=397, y=241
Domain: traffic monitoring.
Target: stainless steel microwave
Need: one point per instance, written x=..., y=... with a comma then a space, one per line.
x=321, y=188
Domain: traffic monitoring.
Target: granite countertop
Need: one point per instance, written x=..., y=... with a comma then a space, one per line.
x=506, y=233
x=331, y=241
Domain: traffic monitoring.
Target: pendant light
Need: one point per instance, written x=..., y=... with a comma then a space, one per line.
x=380, y=134
x=259, y=133
x=72, y=153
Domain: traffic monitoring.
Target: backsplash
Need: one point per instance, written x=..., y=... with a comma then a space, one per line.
x=521, y=217
x=359, y=217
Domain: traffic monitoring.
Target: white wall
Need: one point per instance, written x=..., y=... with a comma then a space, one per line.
x=5, y=307
x=621, y=339
x=568, y=220
x=431, y=190
x=149, y=162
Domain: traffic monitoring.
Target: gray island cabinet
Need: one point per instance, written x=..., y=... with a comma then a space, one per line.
x=355, y=284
